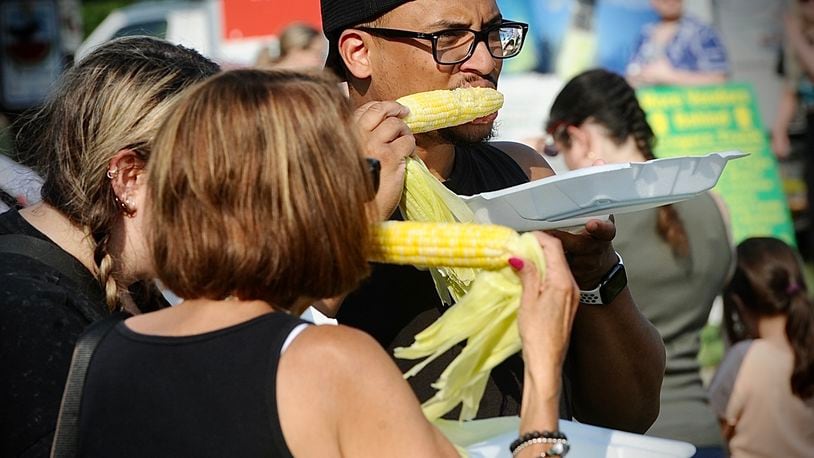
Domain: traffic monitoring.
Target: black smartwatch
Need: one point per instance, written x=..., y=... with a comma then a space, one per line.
x=609, y=287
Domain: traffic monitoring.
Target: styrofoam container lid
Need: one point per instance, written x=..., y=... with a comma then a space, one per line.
x=574, y=197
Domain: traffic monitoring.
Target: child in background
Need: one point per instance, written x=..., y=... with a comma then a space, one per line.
x=763, y=390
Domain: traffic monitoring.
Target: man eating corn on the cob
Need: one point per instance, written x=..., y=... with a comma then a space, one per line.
x=392, y=48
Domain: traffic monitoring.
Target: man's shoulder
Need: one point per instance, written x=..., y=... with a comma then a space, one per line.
x=530, y=160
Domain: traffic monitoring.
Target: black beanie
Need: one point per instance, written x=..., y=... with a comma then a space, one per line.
x=338, y=15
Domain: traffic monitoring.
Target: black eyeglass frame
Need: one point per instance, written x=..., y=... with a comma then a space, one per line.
x=480, y=36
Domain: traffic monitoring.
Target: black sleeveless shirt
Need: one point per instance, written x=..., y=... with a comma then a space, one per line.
x=397, y=302
x=206, y=395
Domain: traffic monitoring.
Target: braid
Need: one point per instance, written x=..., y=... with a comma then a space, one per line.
x=104, y=264
x=671, y=229
x=668, y=222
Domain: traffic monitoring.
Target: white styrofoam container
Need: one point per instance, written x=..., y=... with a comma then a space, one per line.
x=573, y=197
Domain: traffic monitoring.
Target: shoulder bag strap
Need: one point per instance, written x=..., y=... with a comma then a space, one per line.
x=66, y=436
x=51, y=255
x=44, y=252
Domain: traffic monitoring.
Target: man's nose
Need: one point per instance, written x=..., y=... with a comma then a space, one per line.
x=481, y=60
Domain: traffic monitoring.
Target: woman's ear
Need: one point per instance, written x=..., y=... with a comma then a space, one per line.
x=353, y=50
x=581, y=142
x=125, y=171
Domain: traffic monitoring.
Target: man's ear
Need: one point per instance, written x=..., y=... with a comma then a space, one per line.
x=125, y=171
x=354, y=51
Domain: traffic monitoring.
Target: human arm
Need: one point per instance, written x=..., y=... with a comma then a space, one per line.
x=800, y=46
x=662, y=72
x=545, y=330
x=786, y=109
x=358, y=401
x=701, y=59
x=722, y=388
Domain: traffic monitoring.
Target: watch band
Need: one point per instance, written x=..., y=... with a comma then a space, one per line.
x=608, y=288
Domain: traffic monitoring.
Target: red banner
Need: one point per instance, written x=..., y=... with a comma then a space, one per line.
x=249, y=18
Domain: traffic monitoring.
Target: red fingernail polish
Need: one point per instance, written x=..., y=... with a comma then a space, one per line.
x=517, y=263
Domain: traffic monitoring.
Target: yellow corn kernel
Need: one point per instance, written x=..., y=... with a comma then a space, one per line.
x=435, y=110
x=484, y=246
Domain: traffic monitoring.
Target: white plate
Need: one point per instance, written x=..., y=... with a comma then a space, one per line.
x=490, y=438
x=572, y=198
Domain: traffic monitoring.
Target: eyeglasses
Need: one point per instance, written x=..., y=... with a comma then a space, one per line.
x=453, y=46
x=374, y=167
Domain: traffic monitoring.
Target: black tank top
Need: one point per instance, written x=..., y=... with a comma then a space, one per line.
x=207, y=395
x=397, y=302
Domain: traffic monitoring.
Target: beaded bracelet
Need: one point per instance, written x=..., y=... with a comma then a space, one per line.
x=560, y=441
x=559, y=447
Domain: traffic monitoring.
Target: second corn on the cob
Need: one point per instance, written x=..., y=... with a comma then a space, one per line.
x=485, y=317
x=484, y=246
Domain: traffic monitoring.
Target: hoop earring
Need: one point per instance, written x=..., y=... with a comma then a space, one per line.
x=112, y=173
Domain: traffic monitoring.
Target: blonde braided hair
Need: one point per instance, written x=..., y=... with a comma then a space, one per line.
x=113, y=99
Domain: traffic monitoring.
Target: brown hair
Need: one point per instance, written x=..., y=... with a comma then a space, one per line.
x=607, y=99
x=113, y=99
x=768, y=281
x=258, y=190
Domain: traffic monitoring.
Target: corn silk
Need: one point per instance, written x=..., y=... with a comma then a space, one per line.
x=485, y=307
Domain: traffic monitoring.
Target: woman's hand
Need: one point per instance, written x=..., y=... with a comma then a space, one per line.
x=387, y=138
x=545, y=318
x=547, y=308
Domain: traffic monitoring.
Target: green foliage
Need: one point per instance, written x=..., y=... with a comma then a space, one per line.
x=95, y=11
x=712, y=346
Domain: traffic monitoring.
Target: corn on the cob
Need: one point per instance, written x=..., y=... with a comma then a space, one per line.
x=426, y=199
x=485, y=312
x=486, y=318
x=484, y=246
x=442, y=108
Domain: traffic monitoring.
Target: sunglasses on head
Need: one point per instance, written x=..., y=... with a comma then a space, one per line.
x=374, y=167
x=556, y=130
x=549, y=147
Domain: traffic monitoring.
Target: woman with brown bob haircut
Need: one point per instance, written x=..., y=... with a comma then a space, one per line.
x=260, y=202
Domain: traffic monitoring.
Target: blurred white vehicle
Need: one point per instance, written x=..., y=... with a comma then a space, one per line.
x=231, y=32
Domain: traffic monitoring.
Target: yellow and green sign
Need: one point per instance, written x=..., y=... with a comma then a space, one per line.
x=701, y=120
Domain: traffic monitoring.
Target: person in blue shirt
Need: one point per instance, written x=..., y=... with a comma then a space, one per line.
x=677, y=50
